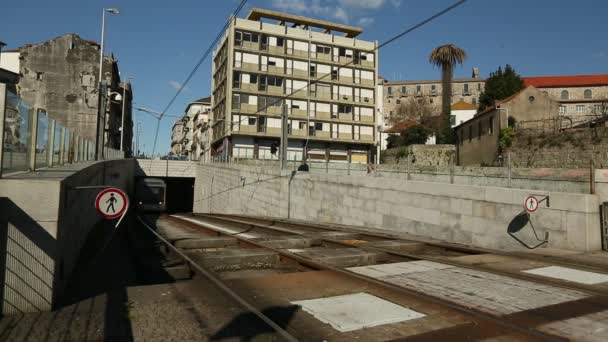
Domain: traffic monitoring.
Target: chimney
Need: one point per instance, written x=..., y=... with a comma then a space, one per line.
x=475, y=72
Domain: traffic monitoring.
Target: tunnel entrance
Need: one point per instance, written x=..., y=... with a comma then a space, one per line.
x=180, y=194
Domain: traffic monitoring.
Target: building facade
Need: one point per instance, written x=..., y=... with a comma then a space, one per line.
x=187, y=133
x=324, y=81
x=398, y=92
x=580, y=96
x=60, y=76
x=478, y=138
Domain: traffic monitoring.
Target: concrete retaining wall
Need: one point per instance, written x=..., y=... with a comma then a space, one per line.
x=165, y=168
x=468, y=214
x=44, y=223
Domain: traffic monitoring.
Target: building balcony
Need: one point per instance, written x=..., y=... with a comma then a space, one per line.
x=323, y=115
x=322, y=134
x=249, y=66
x=345, y=116
x=366, y=118
x=298, y=113
x=298, y=132
x=275, y=90
x=276, y=70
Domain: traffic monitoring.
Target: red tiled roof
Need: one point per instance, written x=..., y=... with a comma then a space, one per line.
x=566, y=81
x=400, y=126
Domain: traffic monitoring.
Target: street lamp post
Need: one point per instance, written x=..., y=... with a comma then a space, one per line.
x=100, y=102
x=122, y=121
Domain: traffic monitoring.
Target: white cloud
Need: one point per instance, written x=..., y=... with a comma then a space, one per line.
x=341, y=14
x=368, y=4
x=365, y=21
x=176, y=85
x=341, y=10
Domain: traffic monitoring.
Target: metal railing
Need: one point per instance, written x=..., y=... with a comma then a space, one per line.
x=32, y=141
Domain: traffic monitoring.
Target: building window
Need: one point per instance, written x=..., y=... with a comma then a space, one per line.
x=474, y=101
x=465, y=90
x=479, y=87
x=418, y=90
x=39, y=76
x=562, y=109
x=491, y=126
x=564, y=95
x=434, y=89
x=251, y=121
x=588, y=94
x=398, y=101
x=390, y=90
x=403, y=90
x=580, y=108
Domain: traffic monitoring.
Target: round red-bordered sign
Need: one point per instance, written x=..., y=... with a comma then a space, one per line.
x=111, y=203
x=531, y=204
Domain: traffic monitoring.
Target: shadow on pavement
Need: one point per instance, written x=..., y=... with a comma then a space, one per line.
x=246, y=326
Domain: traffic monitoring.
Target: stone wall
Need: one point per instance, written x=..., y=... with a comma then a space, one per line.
x=472, y=215
x=422, y=155
x=568, y=149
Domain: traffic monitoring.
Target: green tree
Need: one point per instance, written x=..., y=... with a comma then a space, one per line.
x=500, y=85
x=446, y=57
x=416, y=134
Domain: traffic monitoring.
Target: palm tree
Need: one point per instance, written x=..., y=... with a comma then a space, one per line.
x=446, y=57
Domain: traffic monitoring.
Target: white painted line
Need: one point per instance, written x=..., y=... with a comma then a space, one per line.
x=570, y=274
x=222, y=229
x=356, y=311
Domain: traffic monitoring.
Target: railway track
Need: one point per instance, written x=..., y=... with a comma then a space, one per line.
x=281, y=261
x=425, y=249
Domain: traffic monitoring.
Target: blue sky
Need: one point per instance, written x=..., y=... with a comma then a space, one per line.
x=158, y=42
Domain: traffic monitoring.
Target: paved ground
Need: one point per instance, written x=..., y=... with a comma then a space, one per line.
x=112, y=299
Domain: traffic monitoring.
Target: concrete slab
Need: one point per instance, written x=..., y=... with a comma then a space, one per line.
x=385, y=270
x=402, y=246
x=336, y=235
x=287, y=242
x=344, y=257
x=356, y=311
x=570, y=274
x=233, y=231
x=205, y=242
x=235, y=258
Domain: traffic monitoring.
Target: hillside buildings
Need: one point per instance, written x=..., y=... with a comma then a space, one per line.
x=398, y=92
x=578, y=95
x=60, y=77
x=317, y=72
x=189, y=136
x=478, y=138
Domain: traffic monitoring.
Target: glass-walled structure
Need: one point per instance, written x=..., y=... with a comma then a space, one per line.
x=32, y=141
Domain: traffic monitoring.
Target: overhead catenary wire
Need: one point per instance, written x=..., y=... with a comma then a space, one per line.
x=195, y=69
x=379, y=46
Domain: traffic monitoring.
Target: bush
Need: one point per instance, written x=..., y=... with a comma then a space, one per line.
x=416, y=134
x=506, y=138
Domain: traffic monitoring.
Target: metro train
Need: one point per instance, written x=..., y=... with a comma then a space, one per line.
x=151, y=195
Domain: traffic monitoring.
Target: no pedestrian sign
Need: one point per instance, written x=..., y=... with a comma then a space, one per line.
x=531, y=204
x=111, y=203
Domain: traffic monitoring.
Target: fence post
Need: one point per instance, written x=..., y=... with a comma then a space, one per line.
x=407, y=164
x=51, y=143
x=592, y=176
x=451, y=169
x=509, y=168
x=2, y=115
x=326, y=165
x=33, y=136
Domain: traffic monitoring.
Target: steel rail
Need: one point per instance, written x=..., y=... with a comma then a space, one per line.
x=223, y=287
x=445, y=245
x=516, y=275
x=500, y=321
